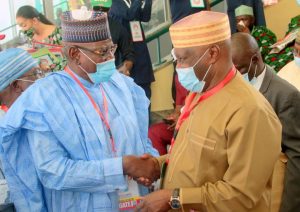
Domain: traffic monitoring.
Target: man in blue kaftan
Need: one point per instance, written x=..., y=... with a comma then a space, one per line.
x=65, y=140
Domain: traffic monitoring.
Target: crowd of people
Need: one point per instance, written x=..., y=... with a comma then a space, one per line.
x=76, y=136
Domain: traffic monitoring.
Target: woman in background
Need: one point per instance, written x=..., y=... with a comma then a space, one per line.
x=40, y=32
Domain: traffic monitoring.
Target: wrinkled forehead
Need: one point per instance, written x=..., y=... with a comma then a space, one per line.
x=244, y=17
x=189, y=51
x=92, y=46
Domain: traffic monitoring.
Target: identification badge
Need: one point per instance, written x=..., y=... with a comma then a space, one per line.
x=197, y=4
x=136, y=31
x=130, y=198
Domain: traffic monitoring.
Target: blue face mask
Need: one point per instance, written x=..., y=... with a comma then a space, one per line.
x=246, y=75
x=103, y=72
x=188, y=78
x=297, y=61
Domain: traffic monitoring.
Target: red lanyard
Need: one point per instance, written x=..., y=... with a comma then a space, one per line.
x=4, y=108
x=103, y=118
x=189, y=107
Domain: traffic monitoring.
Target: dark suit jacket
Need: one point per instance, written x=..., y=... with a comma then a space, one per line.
x=258, y=10
x=285, y=100
x=121, y=37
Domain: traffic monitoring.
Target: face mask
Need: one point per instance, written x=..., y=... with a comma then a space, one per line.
x=188, y=79
x=297, y=59
x=246, y=75
x=104, y=70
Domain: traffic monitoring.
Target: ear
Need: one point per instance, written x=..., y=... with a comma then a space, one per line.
x=74, y=53
x=214, y=54
x=255, y=59
x=16, y=87
x=35, y=20
x=252, y=20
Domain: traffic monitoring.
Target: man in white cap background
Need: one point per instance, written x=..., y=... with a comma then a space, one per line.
x=18, y=70
x=73, y=129
x=245, y=22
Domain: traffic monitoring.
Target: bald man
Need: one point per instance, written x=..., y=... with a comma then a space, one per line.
x=285, y=100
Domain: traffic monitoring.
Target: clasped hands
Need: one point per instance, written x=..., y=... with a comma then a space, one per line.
x=144, y=169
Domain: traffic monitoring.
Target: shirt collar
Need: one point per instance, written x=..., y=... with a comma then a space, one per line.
x=260, y=79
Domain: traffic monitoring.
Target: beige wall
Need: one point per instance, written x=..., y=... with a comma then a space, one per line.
x=278, y=16
x=161, y=98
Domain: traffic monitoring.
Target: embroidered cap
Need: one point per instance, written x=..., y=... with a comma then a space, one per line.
x=14, y=62
x=200, y=29
x=243, y=10
x=83, y=26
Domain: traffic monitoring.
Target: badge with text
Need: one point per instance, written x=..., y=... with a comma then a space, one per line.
x=197, y=4
x=136, y=31
x=130, y=198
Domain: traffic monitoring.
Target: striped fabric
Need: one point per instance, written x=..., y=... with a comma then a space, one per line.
x=200, y=29
x=14, y=62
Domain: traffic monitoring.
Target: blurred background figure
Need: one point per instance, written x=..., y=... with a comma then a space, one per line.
x=282, y=54
x=130, y=13
x=58, y=17
x=18, y=70
x=245, y=22
x=37, y=27
x=291, y=72
x=39, y=31
x=124, y=55
x=258, y=10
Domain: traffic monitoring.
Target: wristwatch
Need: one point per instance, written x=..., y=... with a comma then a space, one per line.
x=175, y=200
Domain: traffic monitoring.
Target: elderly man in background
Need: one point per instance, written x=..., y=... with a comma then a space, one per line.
x=227, y=139
x=258, y=9
x=18, y=70
x=245, y=22
x=285, y=100
x=73, y=129
x=291, y=71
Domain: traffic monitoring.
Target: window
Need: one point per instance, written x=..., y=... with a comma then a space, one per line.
x=59, y=6
x=158, y=17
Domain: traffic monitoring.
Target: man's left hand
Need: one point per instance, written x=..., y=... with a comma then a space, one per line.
x=123, y=69
x=157, y=201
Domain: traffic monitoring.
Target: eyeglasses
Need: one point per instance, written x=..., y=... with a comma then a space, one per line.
x=296, y=52
x=103, y=52
x=37, y=74
x=173, y=55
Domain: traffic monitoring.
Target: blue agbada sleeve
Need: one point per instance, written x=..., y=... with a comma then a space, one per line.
x=57, y=171
x=141, y=103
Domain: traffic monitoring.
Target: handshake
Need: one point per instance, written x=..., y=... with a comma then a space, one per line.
x=144, y=169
